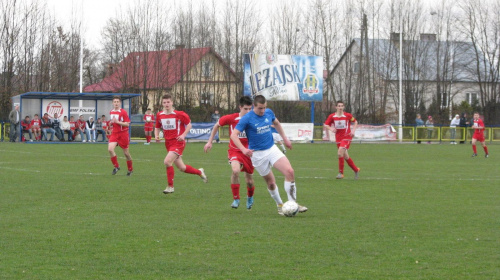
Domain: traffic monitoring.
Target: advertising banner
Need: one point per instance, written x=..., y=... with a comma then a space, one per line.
x=55, y=106
x=283, y=77
x=369, y=133
x=299, y=132
x=201, y=131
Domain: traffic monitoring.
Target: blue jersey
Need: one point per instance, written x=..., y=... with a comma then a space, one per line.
x=258, y=129
x=273, y=130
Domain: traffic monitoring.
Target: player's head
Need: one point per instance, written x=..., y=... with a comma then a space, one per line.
x=259, y=105
x=36, y=116
x=148, y=111
x=340, y=106
x=166, y=101
x=103, y=117
x=245, y=104
x=81, y=117
x=476, y=115
x=27, y=118
x=65, y=118
x=71, y=118
x=55, y=115
x=45, y=115
x=117, y=101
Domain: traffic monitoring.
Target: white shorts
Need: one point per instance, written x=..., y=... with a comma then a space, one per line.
x=264, y=160
x=277, y=137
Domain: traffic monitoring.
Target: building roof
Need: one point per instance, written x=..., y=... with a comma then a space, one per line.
x=75, y=95
x=153, y=70
x=458, y=57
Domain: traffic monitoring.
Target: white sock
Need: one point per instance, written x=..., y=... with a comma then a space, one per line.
x=275, y=194
x=283, y=147
x=291, y=190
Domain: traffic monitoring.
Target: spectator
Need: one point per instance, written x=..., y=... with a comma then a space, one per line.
x=47, y=128
x=215, y=116
x=80, y=128
x=36, y=123
x=66, y=128
x=26, y=124
x=430, y=128
x=464, y=123
x=90, y=129
x=420, y=123
x=56, y=125
x=14, y=119
x=100, y=130
x=453, y=128
x=73, y=126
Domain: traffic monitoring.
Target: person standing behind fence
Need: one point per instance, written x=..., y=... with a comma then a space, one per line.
x=175, y=126
x=14, y=118
x=430, y=128
x=478, y=127
x=420, y=123
x=464, y=123
x=453, y=128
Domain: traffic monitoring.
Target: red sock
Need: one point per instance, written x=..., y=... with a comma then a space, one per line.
x=341, y=165
x=148, y=139
x=352, y=165
x=485, y=149
x=250, y=191
x=114, y=160
x=170, y=176
x=474, y=149
x=191, y=170
x=236, y=191
x=129, y=165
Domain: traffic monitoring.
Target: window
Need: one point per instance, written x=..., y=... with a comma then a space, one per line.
x=356, y=67
x=207, y=98
x=444, y=99
x=470, y=98
x=207, y=69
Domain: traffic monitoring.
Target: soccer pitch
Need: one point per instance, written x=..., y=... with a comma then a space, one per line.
x=417, y=212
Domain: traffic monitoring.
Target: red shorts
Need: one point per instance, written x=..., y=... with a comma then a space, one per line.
x=175, y=146
x=146, y=128
x=245, y=162
x=479, y=137
x=345, y=143
x=121, y=138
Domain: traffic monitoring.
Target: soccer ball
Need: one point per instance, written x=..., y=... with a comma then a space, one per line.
x=290, y=208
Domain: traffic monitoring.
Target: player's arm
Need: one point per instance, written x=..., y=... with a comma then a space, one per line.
x=355, y=126
x=182, y=137
x=208, y=146
x=279, y=128
x=236, y=140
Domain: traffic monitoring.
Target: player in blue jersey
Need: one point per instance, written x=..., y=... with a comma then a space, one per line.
x=264, y=154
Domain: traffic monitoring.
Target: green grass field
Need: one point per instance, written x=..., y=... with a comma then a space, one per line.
x=417, y=212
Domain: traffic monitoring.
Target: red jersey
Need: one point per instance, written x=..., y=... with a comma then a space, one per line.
x=232, y=120
x=478, y=123
x=36, y=123
x=72, y=125
x=173, y=124
x=81, y=124
x=104, y=124
x=122, y=116
x=26, y=125
x=149, y=120
x=342, y=124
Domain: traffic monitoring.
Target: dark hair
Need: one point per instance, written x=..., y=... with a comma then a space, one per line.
x=259, y=99
x=245, y=100
x=149, y=109
x=27, y=117
x=340, y=101
x=36, y=114
x=117, y=97
x=103, y=116
x=166, y=96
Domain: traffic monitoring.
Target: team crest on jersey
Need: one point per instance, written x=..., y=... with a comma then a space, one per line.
x=311, y=85
x=266, y=120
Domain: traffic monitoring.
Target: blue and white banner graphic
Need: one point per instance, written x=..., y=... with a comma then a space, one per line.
x=283, y=77
x=201, y=131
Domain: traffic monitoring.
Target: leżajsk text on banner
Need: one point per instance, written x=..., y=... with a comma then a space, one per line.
x=283, y=77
